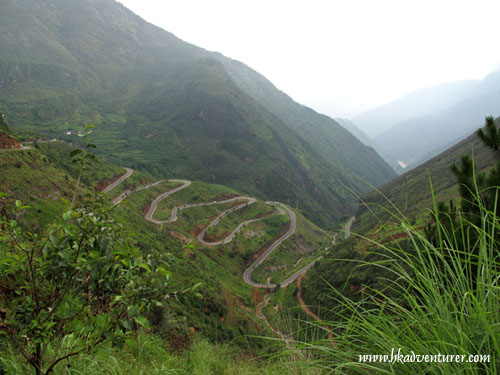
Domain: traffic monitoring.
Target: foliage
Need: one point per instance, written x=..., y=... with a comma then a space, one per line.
x=145, y=353
x=178, y=111
x=435, y=292
x=76, y=285
x=430, y=305
x=478, y=192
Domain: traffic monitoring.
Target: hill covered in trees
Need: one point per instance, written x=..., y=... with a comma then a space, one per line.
x=174, y=108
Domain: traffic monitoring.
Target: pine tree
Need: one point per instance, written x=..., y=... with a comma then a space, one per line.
x=478, y=192
x=490, y=136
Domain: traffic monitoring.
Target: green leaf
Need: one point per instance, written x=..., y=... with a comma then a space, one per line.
x=125, y=262
x=75, y=152
x=196, y=286
x=145, y=266
x=89, y=126
x=126, y=324
x=132, y=311
x=141, y=320
x=67, y=215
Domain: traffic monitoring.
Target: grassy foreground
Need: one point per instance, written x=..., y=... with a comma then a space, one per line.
x=147, y=354
x=439, y=312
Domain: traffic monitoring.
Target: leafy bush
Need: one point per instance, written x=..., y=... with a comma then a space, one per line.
x=76, y=285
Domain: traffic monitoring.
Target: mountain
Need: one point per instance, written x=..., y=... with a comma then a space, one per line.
x=437, y=131
x=367, y=141
x=172, y=108
x=416, y=104
x=406, y=199
x=356, y=131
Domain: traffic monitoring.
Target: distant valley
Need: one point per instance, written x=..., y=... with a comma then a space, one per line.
x=424, y=123
x=166, y=209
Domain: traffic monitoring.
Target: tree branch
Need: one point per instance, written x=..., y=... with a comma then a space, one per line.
x=76, y=352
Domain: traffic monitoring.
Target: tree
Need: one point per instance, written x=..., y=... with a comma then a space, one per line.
x=490, y=135
x=78, y=285
x=478, y=193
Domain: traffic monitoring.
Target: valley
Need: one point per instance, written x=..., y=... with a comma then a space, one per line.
x=165, y=209
x=243, y=202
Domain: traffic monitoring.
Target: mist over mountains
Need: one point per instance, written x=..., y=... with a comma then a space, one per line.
x=173, y=108
x=424, y=123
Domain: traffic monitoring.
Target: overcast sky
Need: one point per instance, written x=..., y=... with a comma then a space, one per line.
x=341, y=57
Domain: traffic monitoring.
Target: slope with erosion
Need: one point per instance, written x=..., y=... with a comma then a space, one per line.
x=172, y=108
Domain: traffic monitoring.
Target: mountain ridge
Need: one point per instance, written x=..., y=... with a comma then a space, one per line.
x=166, y=105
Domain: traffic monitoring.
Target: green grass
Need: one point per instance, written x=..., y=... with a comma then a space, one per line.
x=231, y=221
x=140, y=201
x=425, y=303
x=193, y=219
x=147, y=354
x=305, y=245
x=197, y=192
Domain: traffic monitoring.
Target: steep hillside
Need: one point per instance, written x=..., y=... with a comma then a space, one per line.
x=367, y=141
x=174, y=108
x=438, y=130
x=407, y=198
x=3, y=125
x=226, y=309
x=325, y=135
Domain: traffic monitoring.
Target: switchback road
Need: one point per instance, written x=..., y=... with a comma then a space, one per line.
x=247, y=275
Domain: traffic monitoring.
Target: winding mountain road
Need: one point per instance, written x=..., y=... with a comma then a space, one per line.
x=348, y=227
x=159, y=198
x=127, y=174
x=247, y=275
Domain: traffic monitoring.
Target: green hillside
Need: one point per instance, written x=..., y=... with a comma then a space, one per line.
x=175, y=109
x=225, y=311
x=408, y=198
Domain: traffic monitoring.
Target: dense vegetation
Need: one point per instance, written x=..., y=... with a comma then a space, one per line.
x=173, y=109
x=408, y=198
x=220, y=309
x=436, y=288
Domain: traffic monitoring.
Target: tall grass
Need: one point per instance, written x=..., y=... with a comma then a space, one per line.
x=440, y=298
x=146, y=354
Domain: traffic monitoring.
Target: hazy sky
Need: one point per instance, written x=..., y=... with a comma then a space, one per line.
x=341, y=56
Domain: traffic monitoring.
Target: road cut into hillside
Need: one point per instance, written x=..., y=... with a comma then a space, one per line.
x=247, y=275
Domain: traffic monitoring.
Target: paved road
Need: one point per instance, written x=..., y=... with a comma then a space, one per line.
x=159, y=198
x=127, y=174
x=125, y=194
x=348, y=227
x=247, y=275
